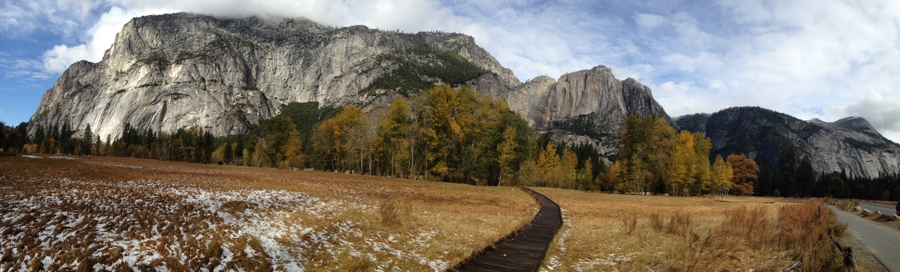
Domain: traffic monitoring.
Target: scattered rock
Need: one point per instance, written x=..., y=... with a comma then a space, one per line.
x=866, y=212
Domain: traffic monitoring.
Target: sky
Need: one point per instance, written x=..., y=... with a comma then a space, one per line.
x=825, y=59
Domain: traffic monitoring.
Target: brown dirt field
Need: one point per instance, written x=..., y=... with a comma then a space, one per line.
x=62, y=213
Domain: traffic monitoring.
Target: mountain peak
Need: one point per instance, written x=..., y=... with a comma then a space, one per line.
x=855, y=122
x=850, y=144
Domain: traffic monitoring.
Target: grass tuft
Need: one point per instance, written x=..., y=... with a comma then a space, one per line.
x=656, y=222
x=679, y=224
x=390, y=213
x=629, y=223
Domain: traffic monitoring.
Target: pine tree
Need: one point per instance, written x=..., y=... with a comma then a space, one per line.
x=787, y=173
x=227, y=152
x=806, y=178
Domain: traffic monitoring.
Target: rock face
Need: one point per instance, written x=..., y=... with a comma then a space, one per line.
x=180, y=70
x=587, y=106
x=851, y=144
x=223, y=75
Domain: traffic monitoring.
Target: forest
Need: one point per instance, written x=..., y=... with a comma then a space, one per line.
x=458, y=135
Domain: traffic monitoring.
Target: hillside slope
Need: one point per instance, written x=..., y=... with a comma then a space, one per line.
x=851, y=144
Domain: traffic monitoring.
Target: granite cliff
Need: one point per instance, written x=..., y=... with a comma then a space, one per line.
x=587, y=106
x=850, y=145
x=225, y=74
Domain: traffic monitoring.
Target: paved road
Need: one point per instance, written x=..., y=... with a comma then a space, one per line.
x=883, y=208
x=525, y=251
x=881, y=240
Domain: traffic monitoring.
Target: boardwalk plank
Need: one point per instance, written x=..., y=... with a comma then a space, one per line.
x=526, y=250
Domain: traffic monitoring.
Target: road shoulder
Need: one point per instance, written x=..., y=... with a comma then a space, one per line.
x=862, y=257
x=873, y=238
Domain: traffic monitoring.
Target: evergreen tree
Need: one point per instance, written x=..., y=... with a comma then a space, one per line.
x=787, y=173
x=806, y=178
x=227, y=152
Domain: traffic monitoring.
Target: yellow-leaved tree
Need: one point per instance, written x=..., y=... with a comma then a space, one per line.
x=549, y=164
x=506, y=150
x=681, y=165
x=568, y=170
x=721, y=176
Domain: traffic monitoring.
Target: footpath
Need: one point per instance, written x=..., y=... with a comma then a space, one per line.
x=525, y=251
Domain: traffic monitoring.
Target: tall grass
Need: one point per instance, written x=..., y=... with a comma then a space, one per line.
x=804, y=231
x=807, y=231
x=629, y=223
x=694, y=234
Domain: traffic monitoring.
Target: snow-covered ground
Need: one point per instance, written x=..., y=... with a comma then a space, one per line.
x=165, y=225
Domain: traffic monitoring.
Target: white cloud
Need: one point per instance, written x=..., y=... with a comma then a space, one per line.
x=882, y=112
x=20, y=68
x=405, y=15
x=805, y=58
x=649, y=21
x=532, y=37
x=100, y=37
x=679, y=100
x=22, y=17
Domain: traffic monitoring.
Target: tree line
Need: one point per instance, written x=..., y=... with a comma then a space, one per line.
x=458, y=135
x=655, y=159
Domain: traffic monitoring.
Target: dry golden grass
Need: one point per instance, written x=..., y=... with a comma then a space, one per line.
x=607, y=232
x=122, y=214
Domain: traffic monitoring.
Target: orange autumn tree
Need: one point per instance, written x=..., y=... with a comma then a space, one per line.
x=745, y=173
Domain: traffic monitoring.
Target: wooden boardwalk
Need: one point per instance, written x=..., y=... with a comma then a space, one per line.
x=525, y=251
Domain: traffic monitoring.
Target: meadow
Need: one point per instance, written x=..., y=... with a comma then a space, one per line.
x=104, y=213
x=612, y=232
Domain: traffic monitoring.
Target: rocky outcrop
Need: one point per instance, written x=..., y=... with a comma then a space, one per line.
x=850, y=145
x=587, y=106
